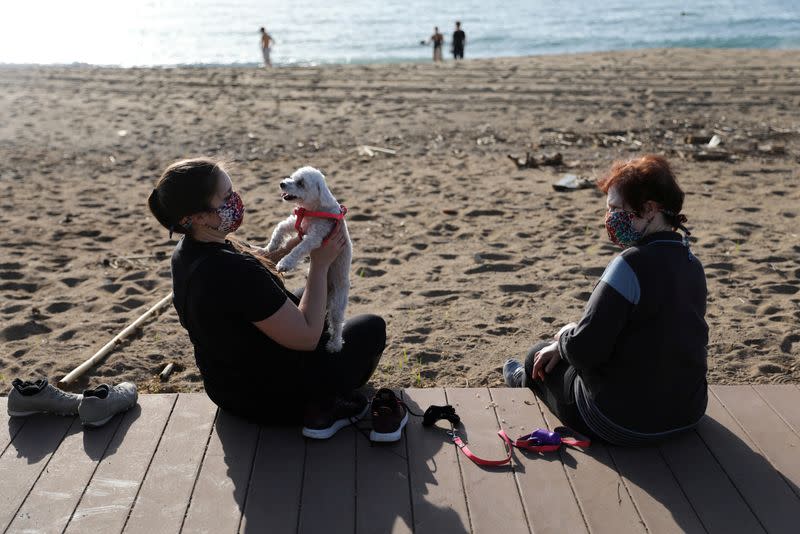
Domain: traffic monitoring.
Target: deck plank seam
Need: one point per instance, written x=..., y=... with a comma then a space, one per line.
x=302, y=486
x=733, y=483
x=94, y=471
x=627, y=489
x=355, y=479
x=779, y=414
x=727, y=475
x=513, y=469
x=200, y=468
x=683, y=491
x=11, y=440
x=149, y=463
x=789, y=483
x=753, y=441
x=461, y=477
x=249, y=480
x=408, y=468
x=39, y=475
x=564, y=470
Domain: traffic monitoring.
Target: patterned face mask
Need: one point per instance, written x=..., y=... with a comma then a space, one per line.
x=231, y=213
x=619, y=225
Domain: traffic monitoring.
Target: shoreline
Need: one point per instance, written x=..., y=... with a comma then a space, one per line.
x=380, y=63
x=469, y=259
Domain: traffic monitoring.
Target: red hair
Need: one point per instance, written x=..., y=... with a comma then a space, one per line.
x=648, y=178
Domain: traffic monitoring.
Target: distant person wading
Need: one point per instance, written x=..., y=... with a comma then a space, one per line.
x=459, y=41
x=266, y=46
x=438, y=41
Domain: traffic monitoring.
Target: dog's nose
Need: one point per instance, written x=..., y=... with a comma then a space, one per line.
x=283, y=185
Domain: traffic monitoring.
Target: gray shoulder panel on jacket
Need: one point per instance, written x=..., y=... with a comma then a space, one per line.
x=621, y=277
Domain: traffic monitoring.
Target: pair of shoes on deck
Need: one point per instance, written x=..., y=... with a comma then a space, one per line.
x=325, y=417
x=95, y=406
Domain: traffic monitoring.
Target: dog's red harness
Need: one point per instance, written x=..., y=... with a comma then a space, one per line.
x=301, y=213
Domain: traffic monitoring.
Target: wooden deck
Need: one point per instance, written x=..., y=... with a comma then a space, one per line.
x=176, y=464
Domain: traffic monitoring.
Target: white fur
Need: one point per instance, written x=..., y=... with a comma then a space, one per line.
x=307, y=188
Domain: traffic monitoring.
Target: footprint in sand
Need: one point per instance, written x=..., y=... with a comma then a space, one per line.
x=72, y=282
x=367, y=272
x=494, y=268
x=485, y=213
x=59, y=307
x=502, y=330
x=16, y=332
x=783, y=289
x=14, y=308
x=19, y=286
x=111, y=288
x=147, y=285
x=66, y=335
x=138, y=275
x=519, y=288
x=787, y=343
x=435, y=293
x=491, y=256
x=720, y=266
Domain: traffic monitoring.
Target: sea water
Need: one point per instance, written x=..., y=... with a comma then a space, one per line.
x=309, y=32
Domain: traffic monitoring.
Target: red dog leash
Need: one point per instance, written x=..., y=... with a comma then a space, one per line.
x=301, y=213
x=539, y=440
x=480, y=461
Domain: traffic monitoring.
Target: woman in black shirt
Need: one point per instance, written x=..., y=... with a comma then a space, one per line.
x=259, y=348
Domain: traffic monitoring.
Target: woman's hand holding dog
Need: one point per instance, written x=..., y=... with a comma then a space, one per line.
x=326, y=253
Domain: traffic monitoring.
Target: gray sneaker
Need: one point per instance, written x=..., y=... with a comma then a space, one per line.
x=28, y=398
x=514, y=373
x=102, y=403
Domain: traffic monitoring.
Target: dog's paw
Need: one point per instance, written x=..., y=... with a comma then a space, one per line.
x=285, y=265
x=273, y=246
x=334, y=345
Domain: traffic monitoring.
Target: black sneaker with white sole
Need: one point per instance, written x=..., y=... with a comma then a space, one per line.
x=389, y=416
x=324, y=417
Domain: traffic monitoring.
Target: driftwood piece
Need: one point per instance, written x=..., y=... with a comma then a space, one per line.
x=164, y=376
x=100, y=354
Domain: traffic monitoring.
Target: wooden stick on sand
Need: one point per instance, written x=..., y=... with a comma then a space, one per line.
x=100, y=354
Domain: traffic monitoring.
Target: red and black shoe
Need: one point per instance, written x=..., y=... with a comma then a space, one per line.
x=389, y=416
x=324, y=417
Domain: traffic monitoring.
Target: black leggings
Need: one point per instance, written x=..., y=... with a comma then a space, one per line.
x=309, y=375
x=557, y=390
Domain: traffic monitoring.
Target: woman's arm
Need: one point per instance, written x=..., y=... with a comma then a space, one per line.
x=300, y=327
x=590, y=343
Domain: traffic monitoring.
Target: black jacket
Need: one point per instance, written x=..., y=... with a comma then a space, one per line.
x=641, y=345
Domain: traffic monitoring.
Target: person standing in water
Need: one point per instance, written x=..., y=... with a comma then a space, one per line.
x=459, y=41
x=438, y=41
x=266, y=46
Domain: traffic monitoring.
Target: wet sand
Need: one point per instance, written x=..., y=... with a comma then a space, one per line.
x=470, y=259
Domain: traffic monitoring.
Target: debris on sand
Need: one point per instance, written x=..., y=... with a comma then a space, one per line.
x=532, y=161
x=571, y=182
x=712, y=155
x=369, y=150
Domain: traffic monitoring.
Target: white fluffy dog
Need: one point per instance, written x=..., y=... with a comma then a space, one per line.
x=307, y=188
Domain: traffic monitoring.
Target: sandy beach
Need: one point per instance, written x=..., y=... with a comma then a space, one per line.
x=470, y=259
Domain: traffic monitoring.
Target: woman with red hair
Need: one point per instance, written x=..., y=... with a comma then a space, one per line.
x=633, y=370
